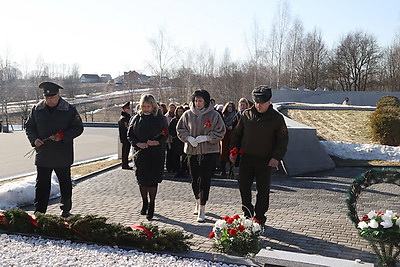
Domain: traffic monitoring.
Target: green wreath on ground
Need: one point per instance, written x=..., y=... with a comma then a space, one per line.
x=92, y=228
x=385, y=242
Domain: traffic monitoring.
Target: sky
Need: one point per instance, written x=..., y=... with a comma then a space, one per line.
x=113, y=36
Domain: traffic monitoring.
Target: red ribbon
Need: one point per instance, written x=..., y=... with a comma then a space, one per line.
x=141, y=228
x=32, y=218
x=76, y=231
x=2, y=219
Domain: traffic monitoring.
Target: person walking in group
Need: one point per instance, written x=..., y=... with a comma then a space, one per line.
x=178, y=161
x=168, y=161
x=261, y=136
x=51, y=127
x=230, y=120
x=123, y=123
x=147, y=133
x=201, y=128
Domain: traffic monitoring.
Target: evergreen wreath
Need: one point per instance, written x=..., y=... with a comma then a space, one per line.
x=92, y=228
x=385, y=242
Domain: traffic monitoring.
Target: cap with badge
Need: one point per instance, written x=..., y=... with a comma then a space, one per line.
x=126, y=105
x=49, y=88
x=261, y=94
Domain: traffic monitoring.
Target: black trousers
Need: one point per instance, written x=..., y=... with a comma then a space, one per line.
x=126, y=147
x=251, y=167
x=43, y=186
x=201, y=169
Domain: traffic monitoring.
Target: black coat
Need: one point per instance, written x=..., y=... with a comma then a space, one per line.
x=41, y=124
x=149, y=162
x=123, y=124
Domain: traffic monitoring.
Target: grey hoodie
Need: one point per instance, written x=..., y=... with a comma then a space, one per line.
x=196, y=122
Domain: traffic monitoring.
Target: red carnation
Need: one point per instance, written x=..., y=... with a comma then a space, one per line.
x=207, y=123
x=164, y=131
x=60, y=134
x=241, y=228
x=230, y=220
x=236, y=217
x=232, y=232
x=364, y=218
x=211, y=235
x=225, y=218
x=257, y=221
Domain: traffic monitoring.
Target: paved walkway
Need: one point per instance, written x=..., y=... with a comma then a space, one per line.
x=307, y=213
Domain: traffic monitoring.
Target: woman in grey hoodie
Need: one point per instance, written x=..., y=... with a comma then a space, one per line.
x=201, y=128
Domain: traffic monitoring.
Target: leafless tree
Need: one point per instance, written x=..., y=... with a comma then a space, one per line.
x=312, y=61
x=164, y=55
x=355, y=61
x=392, y=66
x=294, y=50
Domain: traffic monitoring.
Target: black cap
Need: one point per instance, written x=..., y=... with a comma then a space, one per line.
x=126, y=105
x=49, y=88
x=261, y=94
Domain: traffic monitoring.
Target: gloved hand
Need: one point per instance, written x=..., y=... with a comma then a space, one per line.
x=202, y=138
x=192, y=141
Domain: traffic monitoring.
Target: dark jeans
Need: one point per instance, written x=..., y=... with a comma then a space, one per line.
x=253, y=167
x=201, y=169
x=126, y=147
x=43, y=186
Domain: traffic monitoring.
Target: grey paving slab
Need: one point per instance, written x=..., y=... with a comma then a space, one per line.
x=307, y=213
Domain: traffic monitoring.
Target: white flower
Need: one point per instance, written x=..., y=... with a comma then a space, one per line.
x=221, y=224
x=373, y=224
x=387, y=223
x=362, y=225
x=389, y=214
x=256, y=227
x=247, y=223
x=372, y=214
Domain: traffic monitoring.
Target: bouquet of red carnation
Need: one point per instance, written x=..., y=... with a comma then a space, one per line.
x=59, y=135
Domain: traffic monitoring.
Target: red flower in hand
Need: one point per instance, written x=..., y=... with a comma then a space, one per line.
x=60, y=134
x=207, y=123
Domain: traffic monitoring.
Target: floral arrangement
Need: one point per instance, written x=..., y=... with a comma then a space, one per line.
x=59, y=135
x=381, y=230
x=91, y=228
x=237, y=235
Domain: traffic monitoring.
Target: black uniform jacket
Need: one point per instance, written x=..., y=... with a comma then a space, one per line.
x=123, y=124
x=264, y=135
x=41, y=124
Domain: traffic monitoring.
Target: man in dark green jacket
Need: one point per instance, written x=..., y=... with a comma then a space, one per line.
x=51, y=127
x=261, y=137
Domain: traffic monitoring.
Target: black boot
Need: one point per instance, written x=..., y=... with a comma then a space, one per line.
x=150, y=212
x=145, y=206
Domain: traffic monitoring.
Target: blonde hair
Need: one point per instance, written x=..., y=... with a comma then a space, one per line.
x=148, y=98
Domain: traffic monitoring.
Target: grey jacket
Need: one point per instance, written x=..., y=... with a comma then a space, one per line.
x=206, y=122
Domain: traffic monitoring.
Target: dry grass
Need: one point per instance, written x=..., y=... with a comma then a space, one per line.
x=340, y=125
x=335, y=125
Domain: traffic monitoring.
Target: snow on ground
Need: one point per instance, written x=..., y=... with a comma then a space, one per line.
x=19, y=250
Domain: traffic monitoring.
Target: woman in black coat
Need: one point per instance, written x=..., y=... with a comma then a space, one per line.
x=147, y=133
x=178, y=156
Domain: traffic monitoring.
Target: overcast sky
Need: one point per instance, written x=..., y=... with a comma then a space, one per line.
x=113, y=36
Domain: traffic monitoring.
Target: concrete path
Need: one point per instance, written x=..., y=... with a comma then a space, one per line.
x=307, y=213
x=93, y=143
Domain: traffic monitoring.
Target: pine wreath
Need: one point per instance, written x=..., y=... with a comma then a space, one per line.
x=385, y=243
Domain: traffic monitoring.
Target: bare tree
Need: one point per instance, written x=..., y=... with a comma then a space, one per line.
x=392, y=65
x=294, y=50
x=356, y=61
x=164, y=55
x=313, y=60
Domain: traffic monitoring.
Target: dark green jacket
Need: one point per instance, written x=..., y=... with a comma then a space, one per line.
x=41, y=124
x=264, y=135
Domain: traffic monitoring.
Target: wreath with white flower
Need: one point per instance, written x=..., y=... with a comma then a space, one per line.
x=381, y=230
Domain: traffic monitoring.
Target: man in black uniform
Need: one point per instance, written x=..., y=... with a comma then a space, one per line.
x=123, y=124
x=261, y=136
x=51, y=127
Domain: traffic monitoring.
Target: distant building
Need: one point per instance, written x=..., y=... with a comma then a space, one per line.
x=105, y=78
x=90, y=78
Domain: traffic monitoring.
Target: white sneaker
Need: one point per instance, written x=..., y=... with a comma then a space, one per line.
x=202, y=214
